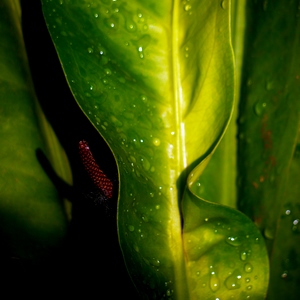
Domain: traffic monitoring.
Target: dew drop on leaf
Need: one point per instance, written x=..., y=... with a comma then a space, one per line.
x=259, y=107
x=144, y=98
x=107, y=71
x=145, y=164
x=248, y=268
x=232, y=282
x=130, y=26
x=156, y=142
x=243, y=255
x=111, y=23
x=233, y=241
x=145, y=218
x=284, y=275
x=223, y=4
x=214, y=282
x=187, y=7
x=155, y=262
x=131, y=228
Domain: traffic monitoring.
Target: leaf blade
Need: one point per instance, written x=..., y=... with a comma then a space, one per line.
x=269, y=126
x=145, y=75
x=33, y=222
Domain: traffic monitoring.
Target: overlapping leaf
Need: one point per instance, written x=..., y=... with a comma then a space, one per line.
x=32, y=218
x=269, y=136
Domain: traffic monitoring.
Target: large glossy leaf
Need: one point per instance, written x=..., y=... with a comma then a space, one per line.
x=269, y=136
x=156, y=79
x=32, y=218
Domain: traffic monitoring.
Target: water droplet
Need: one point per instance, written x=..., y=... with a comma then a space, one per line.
x=214, y=282
x=96, y=16
x=223, y=4
x=107, y=71
x=187, y=7
x=142, y=44
x=130, y=26
x=243, y=255
x=233, y=281
x=156, y=142
x=140, y=50
x=90, y=50
x=249, y=287
x=145, y=164
x=284, y=274
x=145, y=219
x=132, y=159
x=122, y=79
x=186, y=54
x=248, y=268
x=131, y=228
x=295, y=225
x=260, y=107
x=116, y=121
x=155, y=262
x=233, y=241
x=111, y=23
x=144, y=98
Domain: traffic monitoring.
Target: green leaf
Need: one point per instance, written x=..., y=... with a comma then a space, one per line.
x=224, y=259
x=32, y=218
x=269, y=136
x=156, y=78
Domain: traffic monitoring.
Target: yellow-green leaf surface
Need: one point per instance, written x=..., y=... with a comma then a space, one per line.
x=156, y=79
x=32, y=218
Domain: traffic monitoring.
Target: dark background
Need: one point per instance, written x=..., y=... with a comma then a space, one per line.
x=90, y=262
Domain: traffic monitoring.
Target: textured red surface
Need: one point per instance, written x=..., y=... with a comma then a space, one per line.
x=94, y=171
